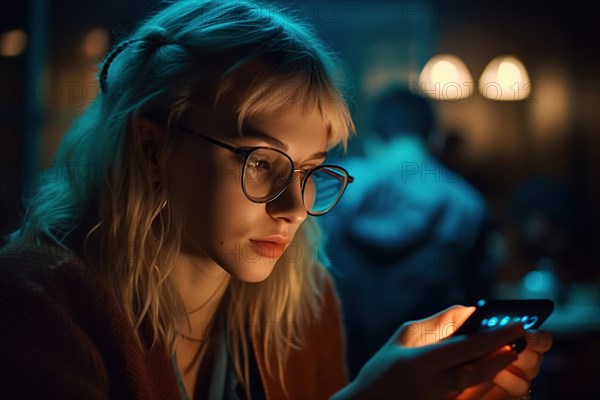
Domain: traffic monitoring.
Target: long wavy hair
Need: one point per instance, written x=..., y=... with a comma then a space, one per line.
x=190, y=53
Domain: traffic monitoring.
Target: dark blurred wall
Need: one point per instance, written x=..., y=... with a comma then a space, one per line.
x=38, y=102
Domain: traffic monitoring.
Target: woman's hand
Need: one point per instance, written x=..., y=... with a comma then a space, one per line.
x=514, y=381
x=416, y=363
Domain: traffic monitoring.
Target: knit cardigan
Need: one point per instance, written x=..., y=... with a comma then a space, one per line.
x=64, y=336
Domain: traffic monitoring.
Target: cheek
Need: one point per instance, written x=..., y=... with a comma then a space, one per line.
x=211, y=195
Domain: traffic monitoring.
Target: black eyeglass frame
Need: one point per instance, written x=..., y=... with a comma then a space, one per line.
x=246, y=151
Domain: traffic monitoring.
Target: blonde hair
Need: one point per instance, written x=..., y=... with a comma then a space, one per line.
x=193, y=52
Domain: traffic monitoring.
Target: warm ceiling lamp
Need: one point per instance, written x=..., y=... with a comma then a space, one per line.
x=505, y=78
x=95, y=43
x=446, y=77
x=12, y=43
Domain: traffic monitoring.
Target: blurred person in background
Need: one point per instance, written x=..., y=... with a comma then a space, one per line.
x=410, y=235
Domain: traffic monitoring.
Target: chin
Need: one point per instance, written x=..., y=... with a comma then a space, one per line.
x=252, y=272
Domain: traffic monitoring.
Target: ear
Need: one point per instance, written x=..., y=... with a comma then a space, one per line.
x=152, y=138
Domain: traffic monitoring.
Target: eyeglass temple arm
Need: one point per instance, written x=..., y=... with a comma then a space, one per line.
x=215, y=142
x=337, y=176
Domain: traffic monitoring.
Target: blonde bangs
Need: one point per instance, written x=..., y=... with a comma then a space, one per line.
x=269, y=94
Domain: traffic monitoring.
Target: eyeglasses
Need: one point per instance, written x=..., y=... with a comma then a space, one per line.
x=267, y=172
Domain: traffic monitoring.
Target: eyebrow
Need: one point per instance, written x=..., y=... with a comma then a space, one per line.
x=255, y=133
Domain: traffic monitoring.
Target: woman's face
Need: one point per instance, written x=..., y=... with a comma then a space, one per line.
x=222, y=225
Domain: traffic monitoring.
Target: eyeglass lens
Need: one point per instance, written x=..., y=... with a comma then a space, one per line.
x=267, y=173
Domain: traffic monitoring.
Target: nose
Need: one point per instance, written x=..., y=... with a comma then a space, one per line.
x=289, y=205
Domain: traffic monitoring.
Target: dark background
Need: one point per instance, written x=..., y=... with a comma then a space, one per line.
x=502, y=143
x=497, y=145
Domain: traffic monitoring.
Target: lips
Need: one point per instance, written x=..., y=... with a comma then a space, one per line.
x=271, y=247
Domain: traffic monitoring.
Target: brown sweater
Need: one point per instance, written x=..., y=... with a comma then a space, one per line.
x=63, y=336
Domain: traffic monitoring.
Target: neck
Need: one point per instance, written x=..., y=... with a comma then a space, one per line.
x=201, y=285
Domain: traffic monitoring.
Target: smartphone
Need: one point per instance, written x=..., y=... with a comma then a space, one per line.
x=492, y=314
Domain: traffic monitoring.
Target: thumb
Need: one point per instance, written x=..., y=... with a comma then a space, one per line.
x=432, y=329
x=408, y=334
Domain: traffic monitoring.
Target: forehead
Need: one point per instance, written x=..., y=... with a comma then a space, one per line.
x=297, y=131
x=296, y=128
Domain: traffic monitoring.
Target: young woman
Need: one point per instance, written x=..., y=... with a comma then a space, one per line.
x=176, y=254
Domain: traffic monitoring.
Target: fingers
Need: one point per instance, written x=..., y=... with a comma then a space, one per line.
x=476, y=392
x=527, y=365
x=516, y=378
x=539, y=341
x=462, y=349
x=511, y=383
x=486, y=391
x=495, y=393
x=472, y=379
x=485, y=369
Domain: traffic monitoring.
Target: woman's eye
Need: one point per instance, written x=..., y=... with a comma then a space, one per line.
x=260, y=164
